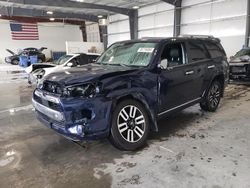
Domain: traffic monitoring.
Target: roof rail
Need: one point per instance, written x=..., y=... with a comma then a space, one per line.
x=201, y=37
x=198, y=36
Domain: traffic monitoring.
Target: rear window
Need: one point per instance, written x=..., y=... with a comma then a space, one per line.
x=215, y=50
x=197, y=51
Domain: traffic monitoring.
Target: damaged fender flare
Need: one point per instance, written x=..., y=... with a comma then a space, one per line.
x=138, y=97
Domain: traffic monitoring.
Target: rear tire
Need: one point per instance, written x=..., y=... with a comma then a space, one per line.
x=212, y=98
x=15, y=62
x=130, y=126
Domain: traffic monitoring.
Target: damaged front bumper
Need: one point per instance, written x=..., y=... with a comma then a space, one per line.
x=239, y=71
x=75, y=118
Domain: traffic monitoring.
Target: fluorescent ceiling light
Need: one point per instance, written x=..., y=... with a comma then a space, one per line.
x=52, y=19
x=135, y=7
x=100, y=16
x=49, y=12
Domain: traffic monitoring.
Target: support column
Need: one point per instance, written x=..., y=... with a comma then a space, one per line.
x=177, y=18
x=133, y=24
x=84, y=33
x=104, y=35
x=247, y=34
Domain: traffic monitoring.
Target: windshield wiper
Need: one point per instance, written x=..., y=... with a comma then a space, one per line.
x=124, y=65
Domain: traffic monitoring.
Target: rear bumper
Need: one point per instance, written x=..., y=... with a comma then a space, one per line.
x=75, y=119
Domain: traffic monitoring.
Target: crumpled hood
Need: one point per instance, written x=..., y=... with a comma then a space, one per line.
x=86, y=73
x=240, y=59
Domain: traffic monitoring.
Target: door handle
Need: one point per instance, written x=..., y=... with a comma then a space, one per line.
x=211, y=67
x=189, y=72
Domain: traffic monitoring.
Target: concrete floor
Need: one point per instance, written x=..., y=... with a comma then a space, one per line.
x=192, y=149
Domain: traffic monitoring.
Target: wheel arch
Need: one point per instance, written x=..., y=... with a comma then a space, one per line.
x=139, y=98
x=221, y=79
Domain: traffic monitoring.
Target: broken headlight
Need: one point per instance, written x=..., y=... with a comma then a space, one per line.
x=85, y=90
x=39, y=74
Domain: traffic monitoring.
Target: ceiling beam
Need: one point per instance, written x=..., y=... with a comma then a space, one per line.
x=172, y=2
x=69, y=4
x=15, y=11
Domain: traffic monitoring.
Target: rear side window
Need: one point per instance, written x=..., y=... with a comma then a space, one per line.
x=215, y=50
x=197, y=51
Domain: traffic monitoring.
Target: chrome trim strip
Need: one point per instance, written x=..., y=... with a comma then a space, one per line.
x=179, y=106
x=53, y=114
x=211, y=67
x=189, y=72
x=47, y=97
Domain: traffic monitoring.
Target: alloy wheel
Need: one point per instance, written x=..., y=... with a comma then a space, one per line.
x=131, y=123
x=214, y=96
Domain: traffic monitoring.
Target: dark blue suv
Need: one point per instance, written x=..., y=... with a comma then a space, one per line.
x=131, y=86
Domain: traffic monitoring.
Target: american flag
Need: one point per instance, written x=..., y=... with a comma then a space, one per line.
x=24, y=31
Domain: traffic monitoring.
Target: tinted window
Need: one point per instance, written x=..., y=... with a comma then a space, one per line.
x=92, y=58
x=215, y=50
x=173, y=54
x=197, y=51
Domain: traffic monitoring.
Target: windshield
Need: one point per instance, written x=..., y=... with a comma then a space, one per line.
x=128, y=54
x=242, y=53
x=62, y=59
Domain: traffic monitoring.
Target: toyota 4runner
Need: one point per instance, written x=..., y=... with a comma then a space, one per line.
x=131, y=86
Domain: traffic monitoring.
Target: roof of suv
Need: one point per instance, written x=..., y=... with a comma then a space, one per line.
x=185, y=37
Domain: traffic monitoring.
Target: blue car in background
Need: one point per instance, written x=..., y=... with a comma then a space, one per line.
x=131, y=86
x=14, y=59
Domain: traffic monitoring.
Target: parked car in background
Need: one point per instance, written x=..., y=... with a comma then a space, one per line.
x=240, y=65
x=14, y=59
x=131, y=86
x=38, y=71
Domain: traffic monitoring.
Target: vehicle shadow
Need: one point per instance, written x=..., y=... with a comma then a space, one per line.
x=169, y=126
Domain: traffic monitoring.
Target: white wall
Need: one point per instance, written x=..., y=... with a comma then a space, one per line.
x=84, y=47
x=93, y=32
x=118, y=28
x=156, y=20
x=51, y=35
x=225, y=19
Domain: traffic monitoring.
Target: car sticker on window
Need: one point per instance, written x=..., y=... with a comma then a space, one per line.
x=145, y=50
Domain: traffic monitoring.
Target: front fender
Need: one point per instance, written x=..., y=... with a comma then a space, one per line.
x=143, y=96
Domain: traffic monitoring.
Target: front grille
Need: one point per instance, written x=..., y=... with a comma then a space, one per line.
x=48, y=104
x=52, y=87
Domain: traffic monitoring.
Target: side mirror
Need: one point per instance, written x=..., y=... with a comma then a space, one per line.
x=163, y=64
x=70, y=64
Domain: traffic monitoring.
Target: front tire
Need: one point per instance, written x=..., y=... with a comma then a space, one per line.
x=130, y=126
x=213, y=97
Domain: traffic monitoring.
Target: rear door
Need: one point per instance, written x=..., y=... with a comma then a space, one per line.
x=199, y=60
